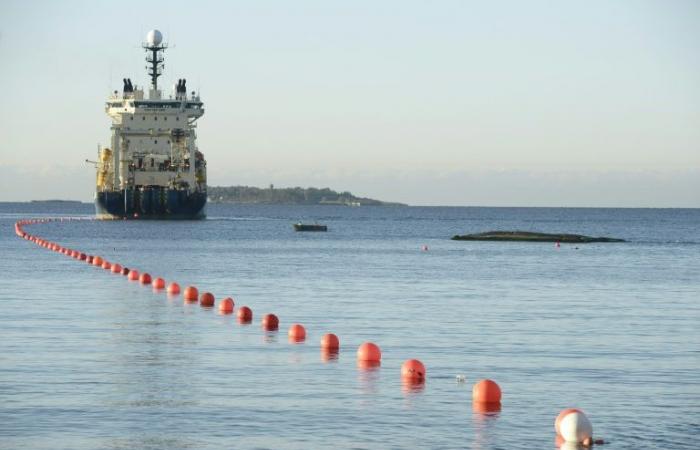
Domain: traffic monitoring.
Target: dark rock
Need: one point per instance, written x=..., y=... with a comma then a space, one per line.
x=528, y=236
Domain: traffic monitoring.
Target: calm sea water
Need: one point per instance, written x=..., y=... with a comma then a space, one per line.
x=89, y=360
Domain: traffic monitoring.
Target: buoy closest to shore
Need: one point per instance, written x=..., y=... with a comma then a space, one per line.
x=573, y=426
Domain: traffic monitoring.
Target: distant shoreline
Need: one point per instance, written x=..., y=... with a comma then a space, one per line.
x=289, y=196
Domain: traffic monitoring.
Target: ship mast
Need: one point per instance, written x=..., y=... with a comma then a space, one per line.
x=154, y=47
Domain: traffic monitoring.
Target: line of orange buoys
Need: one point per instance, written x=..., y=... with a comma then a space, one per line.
x=572, y=427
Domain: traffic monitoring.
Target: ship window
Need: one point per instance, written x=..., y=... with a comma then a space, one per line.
x=132, y=117
x=177, y=118
x=144, y=117
x=155, y=118
x=155, y=141
x=165, y=118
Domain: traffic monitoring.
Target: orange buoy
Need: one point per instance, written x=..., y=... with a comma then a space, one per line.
x=116, y=268
x=158, y=283
x=191, y=293
x=83, y=256
x=486, y=408
x=173, y=288
x=413, y=369
x=133, y=275
x=330, y=341
x=270, y=322
x=206, y=299
x=88, y=259
x=145, y=278
x=244, y=314
x=97, y=261
x=486, y=391
x=226, y=306
x=106, y=265
x=368, y=365
x=369, y=351
x=297, y=333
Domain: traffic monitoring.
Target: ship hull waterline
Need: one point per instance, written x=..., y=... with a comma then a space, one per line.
x=155, y=204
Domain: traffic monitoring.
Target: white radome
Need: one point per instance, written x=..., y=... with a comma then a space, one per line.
x=154, y=37
x=575, y=427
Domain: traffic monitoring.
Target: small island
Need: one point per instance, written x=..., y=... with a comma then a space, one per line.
x=529, y=236
x=289, y=196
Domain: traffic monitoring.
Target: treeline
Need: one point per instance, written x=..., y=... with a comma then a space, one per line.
x=287, y=196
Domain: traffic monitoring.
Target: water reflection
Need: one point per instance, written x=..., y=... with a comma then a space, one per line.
x=486, y=409
x=484, y=419
x=330, y=354
x=270, y=337
x=368, y=376
x=409, y=386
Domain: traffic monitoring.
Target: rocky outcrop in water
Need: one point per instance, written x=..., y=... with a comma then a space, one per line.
x=529, y=236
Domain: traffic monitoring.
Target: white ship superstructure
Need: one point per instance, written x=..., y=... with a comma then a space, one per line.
x=153, y=168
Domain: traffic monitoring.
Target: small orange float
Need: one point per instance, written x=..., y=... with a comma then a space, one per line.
x=226, y=306
x=205, y=299
x=413, y=369
x=330, y=341
x=133, y=275
x=296, y=333
x=270, y=322
x=191, y=293
x=158, y=283
x=145, y=278
x=486, y=391
x=244, y=314
x=369, y=351
x=173, y=288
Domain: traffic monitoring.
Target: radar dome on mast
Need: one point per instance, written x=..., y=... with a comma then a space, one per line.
x=154, y=38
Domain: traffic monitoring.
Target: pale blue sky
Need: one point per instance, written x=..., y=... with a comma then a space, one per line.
x=540, y=103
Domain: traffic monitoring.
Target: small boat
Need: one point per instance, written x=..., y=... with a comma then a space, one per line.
x=309, y=227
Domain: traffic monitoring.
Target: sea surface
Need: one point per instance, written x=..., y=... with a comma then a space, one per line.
x=89, y=360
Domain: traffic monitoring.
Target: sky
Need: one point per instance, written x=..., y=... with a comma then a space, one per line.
x=502, y=103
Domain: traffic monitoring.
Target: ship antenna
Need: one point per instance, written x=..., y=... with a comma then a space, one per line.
x=154, y=47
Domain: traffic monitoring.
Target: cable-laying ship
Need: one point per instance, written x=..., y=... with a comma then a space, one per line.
x=153, y=169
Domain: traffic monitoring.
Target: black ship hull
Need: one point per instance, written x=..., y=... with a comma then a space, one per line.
x=151, y=203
